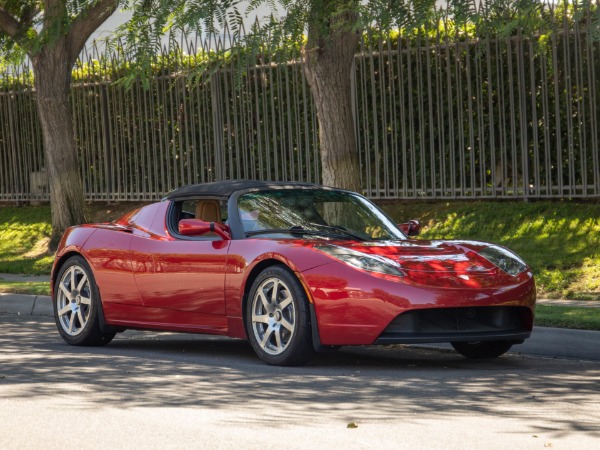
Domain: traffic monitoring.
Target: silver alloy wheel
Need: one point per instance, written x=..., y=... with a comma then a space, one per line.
x=273, y=316
x=74, y=300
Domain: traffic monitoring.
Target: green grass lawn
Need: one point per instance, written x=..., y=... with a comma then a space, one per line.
x=25, y=287
x=24, y=235
x=567, y=317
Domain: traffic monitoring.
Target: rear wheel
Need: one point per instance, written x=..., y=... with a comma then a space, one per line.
x=482, y=349
x=76, y=303
x=277, y=318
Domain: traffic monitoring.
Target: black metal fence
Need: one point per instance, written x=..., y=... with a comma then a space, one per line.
x=438, y=115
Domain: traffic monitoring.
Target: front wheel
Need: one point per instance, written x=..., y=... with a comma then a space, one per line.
x=278, y=320
x=76, y=303
x=482, y=349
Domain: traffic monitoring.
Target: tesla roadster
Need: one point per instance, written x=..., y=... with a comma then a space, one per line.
x=292, y=267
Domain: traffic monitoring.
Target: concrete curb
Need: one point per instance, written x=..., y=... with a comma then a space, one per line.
x=29, y=305
x=43, y=306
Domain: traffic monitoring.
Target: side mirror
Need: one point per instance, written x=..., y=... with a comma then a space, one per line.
x=196, y=227
x=411, y=228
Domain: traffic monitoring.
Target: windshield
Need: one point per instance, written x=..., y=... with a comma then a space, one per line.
x=319, y=213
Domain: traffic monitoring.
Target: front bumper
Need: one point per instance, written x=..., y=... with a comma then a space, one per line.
x=353, y=307
x=486, y=323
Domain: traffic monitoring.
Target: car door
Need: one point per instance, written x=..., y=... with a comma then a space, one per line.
x=181, y=273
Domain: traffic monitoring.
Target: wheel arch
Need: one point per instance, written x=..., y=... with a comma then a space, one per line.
x=254, y=272
x=60, y=262
x=260, y=267
x=104, y=327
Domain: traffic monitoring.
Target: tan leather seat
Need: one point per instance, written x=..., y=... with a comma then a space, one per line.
x=208, y=210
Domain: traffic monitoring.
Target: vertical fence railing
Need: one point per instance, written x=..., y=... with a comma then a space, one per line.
x=487, y=118
x=22, y=175
x=437, y=116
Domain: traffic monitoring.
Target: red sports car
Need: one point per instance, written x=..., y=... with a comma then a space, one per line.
x=293, y=268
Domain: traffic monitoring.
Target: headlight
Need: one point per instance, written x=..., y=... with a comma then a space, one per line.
x=504, y=259
x=372, y=263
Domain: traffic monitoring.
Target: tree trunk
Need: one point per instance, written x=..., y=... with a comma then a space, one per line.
x=329, y=56
x=52, y=73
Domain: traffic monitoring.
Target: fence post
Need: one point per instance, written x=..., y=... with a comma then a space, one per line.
x=354, y=102
x=107, y=143
x=217, y=116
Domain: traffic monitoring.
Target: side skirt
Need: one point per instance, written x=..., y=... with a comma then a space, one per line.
x=140, y=317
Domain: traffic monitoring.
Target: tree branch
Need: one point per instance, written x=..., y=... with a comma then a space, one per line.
x=8, y=23
x=86, y=22
x=16, y=28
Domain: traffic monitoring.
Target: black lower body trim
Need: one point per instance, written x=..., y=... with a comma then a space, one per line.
x=460, y=324
x=516, y=336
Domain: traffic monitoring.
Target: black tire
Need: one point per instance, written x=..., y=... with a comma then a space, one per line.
x=482, y=349
x=76, y=301
x=278, y=319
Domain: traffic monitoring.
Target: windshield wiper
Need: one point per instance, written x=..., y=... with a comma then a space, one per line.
x=339, y=233
x=338, y=230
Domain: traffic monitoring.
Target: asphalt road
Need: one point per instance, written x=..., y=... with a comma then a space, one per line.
x=151, y=390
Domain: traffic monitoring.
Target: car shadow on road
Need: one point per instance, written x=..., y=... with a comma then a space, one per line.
x=146, y=369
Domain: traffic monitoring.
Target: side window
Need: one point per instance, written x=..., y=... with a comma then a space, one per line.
x=208, y=210
x=188, y=210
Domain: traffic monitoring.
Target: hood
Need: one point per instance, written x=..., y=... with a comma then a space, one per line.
x=438, y=263
x=431, y=256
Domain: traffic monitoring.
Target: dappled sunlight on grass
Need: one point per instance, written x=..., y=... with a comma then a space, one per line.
x=25, y=287
x=23, y=232
x=42, y=264
x=567, y=317
x=587, y=287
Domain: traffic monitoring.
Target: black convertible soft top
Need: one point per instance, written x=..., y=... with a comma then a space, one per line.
x=224, y=189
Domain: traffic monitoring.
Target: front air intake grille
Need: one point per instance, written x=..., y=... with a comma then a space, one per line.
x=449, y=324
